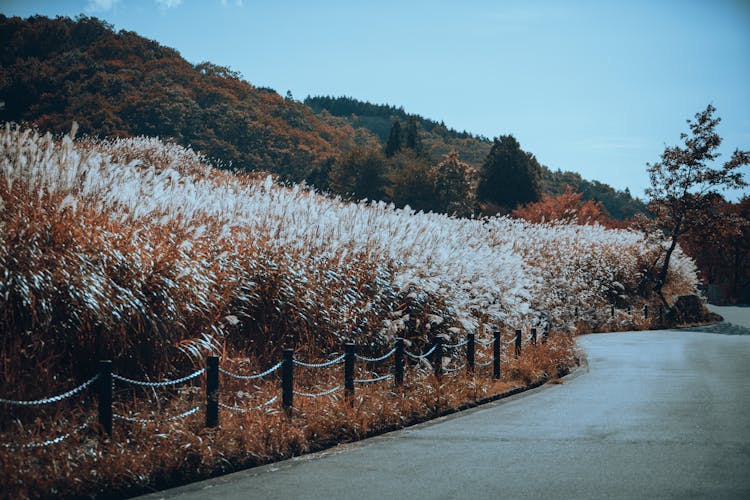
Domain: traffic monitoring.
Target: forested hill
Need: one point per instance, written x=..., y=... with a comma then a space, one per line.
x=619, y=205
x=56, y=71
x=437, y=140
x=118, y=84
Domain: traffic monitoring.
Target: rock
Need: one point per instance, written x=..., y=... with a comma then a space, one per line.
x=689, y=309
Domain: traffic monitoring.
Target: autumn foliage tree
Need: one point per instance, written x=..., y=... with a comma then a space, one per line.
x=684, y=185
x=568, y=207
x=721, y=251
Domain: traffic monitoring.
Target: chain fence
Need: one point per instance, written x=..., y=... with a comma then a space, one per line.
x=52, y=399
x=378, y=359
x=106, y=381
x=336, y=361
x=452, y=370
x=252, y=377
x=253, y=408
x=158, y=420
x=371, y=380
x=163, y=383
x=454, y=346
x=49, y=442
x=318, y=394
x=421, y=356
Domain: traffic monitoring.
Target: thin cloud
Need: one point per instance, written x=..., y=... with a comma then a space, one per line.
x=100, y=5
x=168, y=4
x=227, y=3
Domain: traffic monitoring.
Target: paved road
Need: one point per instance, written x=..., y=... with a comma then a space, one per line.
x=733, y=315
x=655, y=415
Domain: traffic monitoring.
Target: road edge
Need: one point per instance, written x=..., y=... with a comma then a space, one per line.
x=466, y=409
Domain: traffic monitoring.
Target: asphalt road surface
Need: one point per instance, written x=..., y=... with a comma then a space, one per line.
x=654, y=415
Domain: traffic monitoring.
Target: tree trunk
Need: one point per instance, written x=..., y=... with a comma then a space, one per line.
x=665, y=269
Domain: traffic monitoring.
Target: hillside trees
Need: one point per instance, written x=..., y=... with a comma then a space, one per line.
x=118, y=84
x=619, y=205
x=509, y=176
x=393, y=145
x=413, y=141
x=568, y=207
x=455, y=186
x=361, y=173
x=437, y=140
x=684, y=184
x=411, y=182
x=406, y=178
x=721, y=251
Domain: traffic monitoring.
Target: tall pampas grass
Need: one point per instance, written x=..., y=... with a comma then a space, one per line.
x=139, y=251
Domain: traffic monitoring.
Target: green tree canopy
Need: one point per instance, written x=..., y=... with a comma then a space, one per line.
x=454, y=186
x=509, y=176
x=412, y=136
x=361, y=173
x=411, y=182
x=393, y=145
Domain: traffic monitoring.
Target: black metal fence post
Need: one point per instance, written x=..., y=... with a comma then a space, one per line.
x=496, y=354
x=661, y=313
x=398, y=362
x=533, y=336
x=576, y=313
x=212, y=391
x=287, y=380
x=545, y=333
x=349, y=370
x=518, y=343
x=630, y=309
x=645, y=311
x=470, y=353
x=612, y=310
x=437, y=357
x=105, y=396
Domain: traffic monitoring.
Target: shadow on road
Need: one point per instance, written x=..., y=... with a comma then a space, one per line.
x=736, y=321
x=723, y=328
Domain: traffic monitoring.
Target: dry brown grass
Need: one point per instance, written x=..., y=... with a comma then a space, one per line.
x=141, y=457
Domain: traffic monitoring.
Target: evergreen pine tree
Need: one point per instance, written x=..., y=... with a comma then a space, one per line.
x=412, y=136
x=510, y=176
x=393, y=145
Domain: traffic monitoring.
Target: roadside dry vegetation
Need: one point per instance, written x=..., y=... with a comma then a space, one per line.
x=139, y=458
x=137, y=251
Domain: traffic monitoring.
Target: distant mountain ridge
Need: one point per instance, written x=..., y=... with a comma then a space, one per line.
x=119, y=84
x=439, y=140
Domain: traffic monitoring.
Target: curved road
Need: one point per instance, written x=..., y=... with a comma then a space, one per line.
x=661, y=414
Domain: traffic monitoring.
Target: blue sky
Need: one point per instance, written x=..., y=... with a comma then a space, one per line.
x=597, y=87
